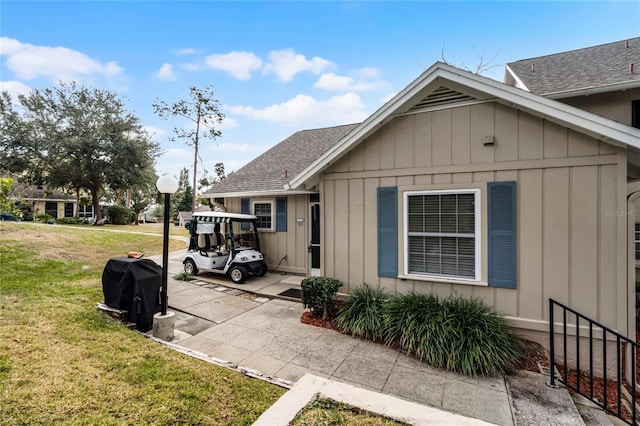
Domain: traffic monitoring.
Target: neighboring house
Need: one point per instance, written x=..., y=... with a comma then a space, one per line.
x=459, y=184
x=184, y=217
x=53, y=202
x=601, y=79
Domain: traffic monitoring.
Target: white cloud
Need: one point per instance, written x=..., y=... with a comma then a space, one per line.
x=331, y=81
x=14, y=88
x=286, y=64
x=305, y=110
x=187, y=51
x=166, y=73
x=189, y=66
x=239, y=147
x=28, y=62
x=155, y=132
x=367, y=72
x=227, y=123
x=173, y=160
x=238, y=64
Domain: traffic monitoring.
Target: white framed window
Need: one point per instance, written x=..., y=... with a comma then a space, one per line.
x=442, y=234
x=85, y=211
x=264, y=211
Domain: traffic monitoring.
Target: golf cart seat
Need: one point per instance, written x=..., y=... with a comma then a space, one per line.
x=220, y=244
x=206, y=249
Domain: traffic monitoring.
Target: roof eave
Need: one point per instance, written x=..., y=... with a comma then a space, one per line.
x=585, y=91
x=518, y=83
x=578, y=119
x=266, y=193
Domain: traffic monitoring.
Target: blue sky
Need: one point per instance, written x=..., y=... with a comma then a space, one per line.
x=280, y=67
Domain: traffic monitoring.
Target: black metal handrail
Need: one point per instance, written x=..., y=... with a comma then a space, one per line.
x=620, y=342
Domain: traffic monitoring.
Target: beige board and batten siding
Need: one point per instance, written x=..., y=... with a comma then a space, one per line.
x=613, y=105
x=571, y=246
x=292, y=243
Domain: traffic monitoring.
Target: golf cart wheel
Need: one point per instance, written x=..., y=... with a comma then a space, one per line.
x=238, y=274
x=261, y=271
x=190, y=267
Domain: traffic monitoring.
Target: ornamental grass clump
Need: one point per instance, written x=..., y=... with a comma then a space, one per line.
x=456, y=333
x=362, y=314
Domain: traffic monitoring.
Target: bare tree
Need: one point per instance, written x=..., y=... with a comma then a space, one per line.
x=481, y=67
x=201, y=109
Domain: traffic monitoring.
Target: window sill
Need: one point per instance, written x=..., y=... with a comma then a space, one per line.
x=443, y=280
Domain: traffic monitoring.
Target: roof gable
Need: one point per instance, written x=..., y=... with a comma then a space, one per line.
x=463, y=87
x=603, y=68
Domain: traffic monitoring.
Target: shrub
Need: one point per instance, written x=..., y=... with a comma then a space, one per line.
x=44, y=218
x=456, y=333
x=318, y=293
x=362, y=314
x=119, y=215
x=71, y=221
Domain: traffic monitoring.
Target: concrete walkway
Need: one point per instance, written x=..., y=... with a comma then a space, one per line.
x=246, y=325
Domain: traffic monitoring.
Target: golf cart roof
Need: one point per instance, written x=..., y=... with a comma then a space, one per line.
x=222, y=217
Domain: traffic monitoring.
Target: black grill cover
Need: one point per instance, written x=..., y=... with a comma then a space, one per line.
x=133, y=285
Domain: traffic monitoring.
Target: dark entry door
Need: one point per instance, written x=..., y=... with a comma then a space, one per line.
x=51, y=208
x=314, y=244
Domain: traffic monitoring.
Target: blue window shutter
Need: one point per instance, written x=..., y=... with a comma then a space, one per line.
x=502, y=234
x=245, y=208
x=281, y=214
x=388, y=231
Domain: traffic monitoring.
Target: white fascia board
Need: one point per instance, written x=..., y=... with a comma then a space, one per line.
x=594, y=125
x=519, y=84
x=365, y=128
x=578, y=119
x=52, y=200
x=593, y=90
x=269, y=193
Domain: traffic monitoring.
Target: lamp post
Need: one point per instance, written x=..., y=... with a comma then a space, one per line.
x=163, y=324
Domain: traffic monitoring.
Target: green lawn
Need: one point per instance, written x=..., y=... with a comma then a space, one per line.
x=64, y=362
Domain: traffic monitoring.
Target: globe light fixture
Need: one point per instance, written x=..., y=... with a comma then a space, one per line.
x=166, y=185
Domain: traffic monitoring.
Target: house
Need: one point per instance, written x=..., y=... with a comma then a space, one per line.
x=184, y=217
x=602, y=79
x=52, y=202
x=461, y=184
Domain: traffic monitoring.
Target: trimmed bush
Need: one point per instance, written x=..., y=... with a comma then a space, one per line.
x=71, y=221
x=362, y=314
x=44, y=217
x=456, y=333
x=119, y=215
x=318, y=293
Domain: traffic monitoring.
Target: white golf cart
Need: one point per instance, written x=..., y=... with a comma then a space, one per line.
x=224, y=243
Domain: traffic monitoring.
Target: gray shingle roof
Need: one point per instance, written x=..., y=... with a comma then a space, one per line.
x=271, y=170
x=582, y=69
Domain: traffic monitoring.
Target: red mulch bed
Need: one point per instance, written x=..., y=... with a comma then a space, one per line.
x=534, y=356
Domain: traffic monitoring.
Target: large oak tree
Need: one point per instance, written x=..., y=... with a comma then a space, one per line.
x=75, y=137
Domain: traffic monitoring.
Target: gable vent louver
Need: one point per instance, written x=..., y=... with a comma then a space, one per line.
x=441, y=97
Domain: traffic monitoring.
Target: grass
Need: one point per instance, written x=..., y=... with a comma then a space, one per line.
x=64, y=362
x=324, y=412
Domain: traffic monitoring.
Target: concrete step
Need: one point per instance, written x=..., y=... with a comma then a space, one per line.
x=535, y=403
x=591, y=413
